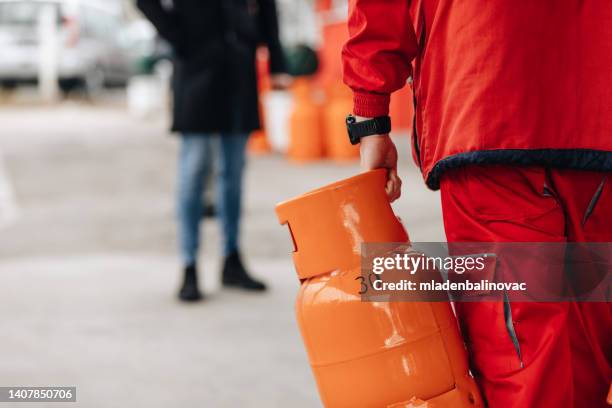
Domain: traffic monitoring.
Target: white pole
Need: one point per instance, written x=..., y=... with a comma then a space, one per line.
x=9, y=210
x=49, y=53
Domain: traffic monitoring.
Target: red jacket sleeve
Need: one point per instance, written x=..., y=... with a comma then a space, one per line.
x=377, y=57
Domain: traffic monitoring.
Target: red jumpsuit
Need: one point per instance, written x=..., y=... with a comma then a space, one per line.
x=510, y=96
x=564, y=350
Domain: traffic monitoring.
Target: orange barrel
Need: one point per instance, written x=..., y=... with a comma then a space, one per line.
x=368, y=354
x=339, y=105
x=305, y=138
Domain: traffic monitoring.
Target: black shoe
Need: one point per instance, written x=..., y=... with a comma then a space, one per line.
x=234, y=275
x=189, y=291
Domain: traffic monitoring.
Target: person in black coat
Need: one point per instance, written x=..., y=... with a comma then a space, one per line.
x=215, y=108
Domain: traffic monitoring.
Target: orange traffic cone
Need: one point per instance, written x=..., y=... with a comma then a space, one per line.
x=340, y=104
x=368, y=354
x=305, y=140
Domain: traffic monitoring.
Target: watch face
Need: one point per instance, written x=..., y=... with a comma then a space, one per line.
x=350, y=121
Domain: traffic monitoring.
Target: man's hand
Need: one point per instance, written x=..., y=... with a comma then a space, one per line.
x=379, y=151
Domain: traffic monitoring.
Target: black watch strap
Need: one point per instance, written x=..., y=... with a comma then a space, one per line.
x=377, y=126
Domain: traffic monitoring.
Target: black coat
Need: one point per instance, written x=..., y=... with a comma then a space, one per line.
x=215, y=82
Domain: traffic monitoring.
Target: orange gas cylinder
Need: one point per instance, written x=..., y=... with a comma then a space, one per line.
x=258, y=143
x=368, y=354
x=339, y=105
x=401, y=110
x=305, y=138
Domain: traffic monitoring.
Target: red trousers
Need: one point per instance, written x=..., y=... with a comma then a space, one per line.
x=564, y=351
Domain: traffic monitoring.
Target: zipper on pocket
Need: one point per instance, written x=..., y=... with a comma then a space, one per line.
x=594, y=200
x=510, y=328
x=415, y=135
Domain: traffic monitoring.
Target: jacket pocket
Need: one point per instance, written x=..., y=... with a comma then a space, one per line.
x=506, y=193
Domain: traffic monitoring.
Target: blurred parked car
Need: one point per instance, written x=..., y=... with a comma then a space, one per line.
x=94, y=47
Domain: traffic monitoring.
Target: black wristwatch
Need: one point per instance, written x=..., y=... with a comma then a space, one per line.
x=356, y=130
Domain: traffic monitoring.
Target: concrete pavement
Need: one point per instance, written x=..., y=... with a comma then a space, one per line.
x=88, y=271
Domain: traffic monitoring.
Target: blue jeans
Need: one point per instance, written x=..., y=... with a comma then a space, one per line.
x=196, y=156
